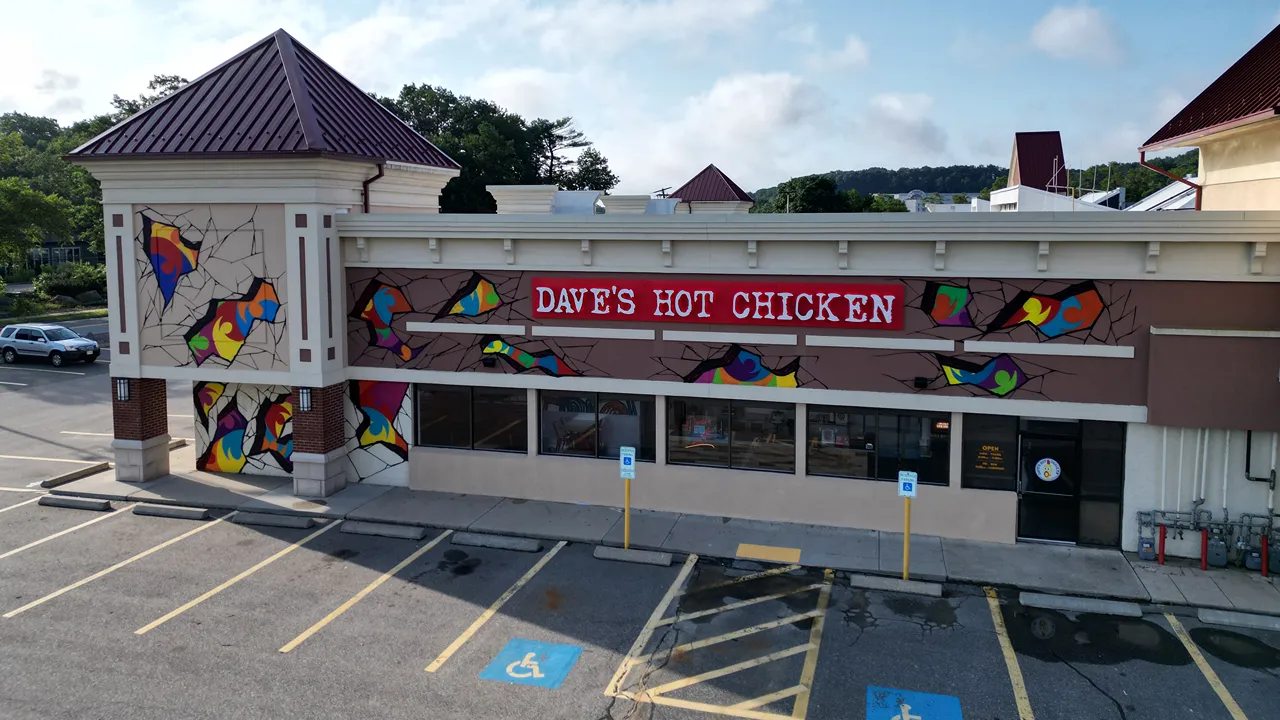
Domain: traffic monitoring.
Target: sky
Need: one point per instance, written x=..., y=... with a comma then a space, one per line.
x=765, y=89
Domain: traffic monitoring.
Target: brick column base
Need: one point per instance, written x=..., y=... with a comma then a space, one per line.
x=139, y=412
x=318, y=441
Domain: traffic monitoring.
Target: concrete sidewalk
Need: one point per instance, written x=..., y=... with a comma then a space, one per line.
x=1045, y=568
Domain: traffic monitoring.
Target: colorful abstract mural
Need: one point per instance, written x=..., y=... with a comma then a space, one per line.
x=1070, y=310
x=998, y=376
x=274, y=431
x=378, y=404
x=172, y=256
x=947, y=305
x=377, y=307
x=522, y=361
x=741, y=367
x=207, y=395
x=225, y=451
x=227, y=323
x=477, y=297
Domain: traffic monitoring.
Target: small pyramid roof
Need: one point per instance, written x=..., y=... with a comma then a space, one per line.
x=711, y=185
x=277, y=98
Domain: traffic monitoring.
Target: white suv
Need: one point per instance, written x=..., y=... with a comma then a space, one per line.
x=52, y=342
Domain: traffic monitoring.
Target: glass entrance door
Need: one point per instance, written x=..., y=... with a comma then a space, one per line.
x=1049, y=481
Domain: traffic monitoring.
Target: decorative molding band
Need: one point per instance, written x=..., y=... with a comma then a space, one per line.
x=464, y=328
x=940, y=255
x=509, y=250
x=1259, y=254
x=433, y=244
x=1042, y=256
x=666, y=253
x=842, y=254
x=1153, y=256
x=1194, y=332
x=814, y=396
x=592, y=332
x=725, y=337
x=879, y=343
x=1058, y=350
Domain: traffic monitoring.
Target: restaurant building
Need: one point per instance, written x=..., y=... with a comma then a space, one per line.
x=273, y=237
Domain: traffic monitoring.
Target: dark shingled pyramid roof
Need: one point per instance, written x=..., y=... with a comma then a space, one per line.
x=711, y=185
x=1036, y=157
x=1248, y=91
x=276, y=98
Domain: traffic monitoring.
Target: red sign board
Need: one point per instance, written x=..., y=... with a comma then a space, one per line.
x=720, y=302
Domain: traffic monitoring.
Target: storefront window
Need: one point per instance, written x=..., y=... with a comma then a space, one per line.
x=444, y=416
x=738, y=434
x=877, y=444
x=596, y=424
x=990, y=452
x=471, y=418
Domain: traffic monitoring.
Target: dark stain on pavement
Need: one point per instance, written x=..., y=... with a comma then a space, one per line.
x=552, y=598
x=340, y=554
x=1236, y=648
x=935, y=614
x=457, y=562
x=705, y=595
x=1091, y=639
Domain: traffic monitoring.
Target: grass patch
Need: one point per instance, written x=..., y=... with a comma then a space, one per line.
x=56, y=316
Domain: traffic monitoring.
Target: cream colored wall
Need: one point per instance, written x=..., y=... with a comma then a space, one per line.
x=1240, y=169
x=943, y=511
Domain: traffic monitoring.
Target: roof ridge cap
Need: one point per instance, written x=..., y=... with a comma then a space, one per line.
x=299, y=91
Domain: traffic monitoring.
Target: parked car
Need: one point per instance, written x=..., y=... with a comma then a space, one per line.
x=52, y=342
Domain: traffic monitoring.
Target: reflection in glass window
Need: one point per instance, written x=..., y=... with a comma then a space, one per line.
x=443, y=416
x=877, y=444
x=596, y=424
x=499, y=419
x=739, y=434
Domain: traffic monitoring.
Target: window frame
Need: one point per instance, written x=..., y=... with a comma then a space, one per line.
x=874, y=456
x=729, y=459
x=595, y=405
x=470, y=391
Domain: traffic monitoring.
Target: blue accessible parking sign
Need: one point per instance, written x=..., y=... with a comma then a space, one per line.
x=529, y=662
x=890, y=704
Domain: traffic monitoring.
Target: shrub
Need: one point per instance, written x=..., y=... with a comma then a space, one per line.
x=71, y=279
x=2, y=286
x=26, y=305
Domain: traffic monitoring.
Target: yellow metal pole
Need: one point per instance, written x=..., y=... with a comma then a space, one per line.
x=906, y=536
x=626, y=518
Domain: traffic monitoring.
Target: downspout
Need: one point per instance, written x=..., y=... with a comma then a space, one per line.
x=1142, y=160
x=375, y=178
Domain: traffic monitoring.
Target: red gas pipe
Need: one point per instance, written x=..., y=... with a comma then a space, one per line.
x=1266, y=559
x=1204, y=549
x=1160, y=556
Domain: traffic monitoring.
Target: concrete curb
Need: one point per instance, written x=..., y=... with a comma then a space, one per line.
x=1239, y=619
x=300, y=522
x=387, y=530
x=1080, y=604
x=75, y=503
x=76, y=474
x=643, y=557
x=179, y=512
x=498, y=542
x=177, y=443
x=914, y=587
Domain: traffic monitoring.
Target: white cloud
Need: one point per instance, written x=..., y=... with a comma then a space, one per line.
x=852, y=55
x=801, y=34
x=906, y=119
x=756, y=127
x=596, y=28
x=52, y=81
x=1077, y=32
x=532, y=92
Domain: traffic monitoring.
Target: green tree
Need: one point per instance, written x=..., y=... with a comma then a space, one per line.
x=28, y=217
x=933, y=198
x=159, y=88
x=552, y=139
x=998, y=184
x=592, y=173
x=807, y=194
x=960, y=199
x=887, y=203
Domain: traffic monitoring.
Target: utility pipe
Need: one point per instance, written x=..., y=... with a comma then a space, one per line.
x=1226, y=460
x=375, y=178
x=1142, y=160
x=1164, y=462
x=1271, y=494
x=1204, y=464
x=1182, y=436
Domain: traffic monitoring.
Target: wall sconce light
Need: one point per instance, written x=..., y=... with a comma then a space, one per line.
x=304, y=399
x=489, y=361
x=122, y=389
x=921, y=383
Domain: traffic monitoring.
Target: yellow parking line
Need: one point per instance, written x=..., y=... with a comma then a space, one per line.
x=716, y=709
x=493, y=609
x=1010, y=658
x=815, y=640
x=361, y=595
x=113, y=568
x=49, y=459
x=739, y=604
x=43, y=370
x=175, y=613
x=769, y=699
x=726, y=637
x=628, y=661
x=722, y=671
x=1223, y=694
x=25, y=489
x=24, y=502
x=745, y=578
x=56, y=535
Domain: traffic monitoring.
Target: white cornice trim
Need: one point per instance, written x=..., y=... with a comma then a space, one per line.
x=1193, y=332
x=1053, y=349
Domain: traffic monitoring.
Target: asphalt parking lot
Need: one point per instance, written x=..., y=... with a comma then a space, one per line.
x=144, y=617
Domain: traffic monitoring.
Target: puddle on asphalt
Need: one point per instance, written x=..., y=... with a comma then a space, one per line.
x=930, y=615
x=1091, y=639
x=1237, y=649
x=457, y=562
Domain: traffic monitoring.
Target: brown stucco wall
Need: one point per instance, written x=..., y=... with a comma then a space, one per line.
x=1220, y=382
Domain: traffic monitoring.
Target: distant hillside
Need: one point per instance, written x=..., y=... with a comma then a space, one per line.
x=1137, y=181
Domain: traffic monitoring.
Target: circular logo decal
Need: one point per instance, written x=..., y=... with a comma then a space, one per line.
x=1048, y=470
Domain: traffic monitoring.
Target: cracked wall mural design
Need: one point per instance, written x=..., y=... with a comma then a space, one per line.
x=378, y=419
x=211, y=286
x=742, y=367
x=377, y=307
x=243, y=428
x=520, y=360
x=473, y=299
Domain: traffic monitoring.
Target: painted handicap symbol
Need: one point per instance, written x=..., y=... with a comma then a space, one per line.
x=529, y=662
x=525, y=667
x=892, y=704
